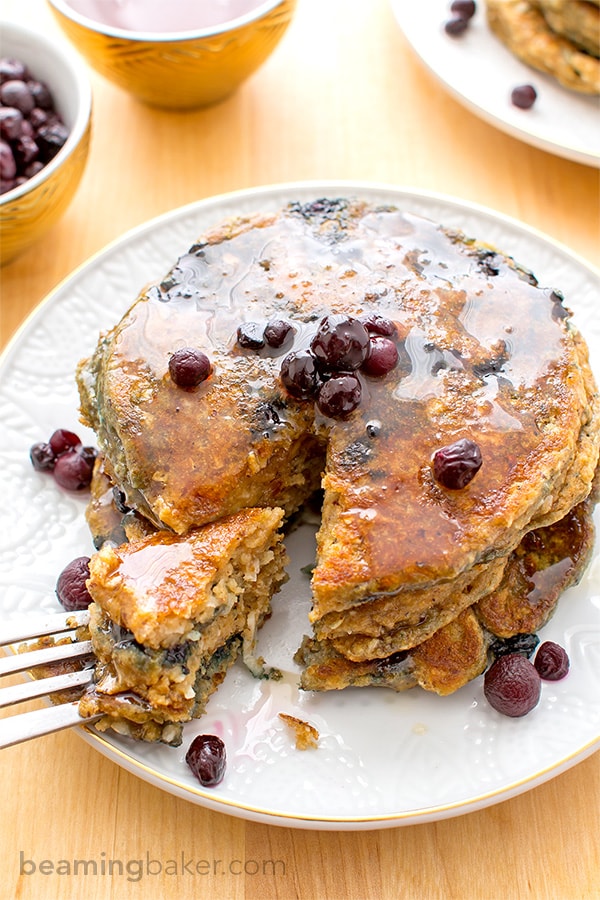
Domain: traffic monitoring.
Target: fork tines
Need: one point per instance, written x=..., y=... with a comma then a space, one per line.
x=77, y=655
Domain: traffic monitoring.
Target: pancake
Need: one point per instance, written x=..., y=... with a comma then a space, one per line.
x=527, y=32
x=484, y=355
x=540, y=569
x=576, y=20
x=546, y=562
x=171, y=614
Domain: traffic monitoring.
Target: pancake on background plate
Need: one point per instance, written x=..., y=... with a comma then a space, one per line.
x=558, y=37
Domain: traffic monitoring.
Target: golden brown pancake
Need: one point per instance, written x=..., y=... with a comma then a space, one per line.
x=171, y=614
x=523, y=28
x=485, y=354
x=576, y=20
x=540, y=569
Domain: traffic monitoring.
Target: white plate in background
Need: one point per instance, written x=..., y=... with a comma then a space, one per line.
x=481, y=72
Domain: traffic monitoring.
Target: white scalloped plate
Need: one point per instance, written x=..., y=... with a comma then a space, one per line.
x=481, y=72
x=384, y=759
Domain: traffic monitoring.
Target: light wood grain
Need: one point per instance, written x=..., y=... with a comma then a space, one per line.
x=342, y=98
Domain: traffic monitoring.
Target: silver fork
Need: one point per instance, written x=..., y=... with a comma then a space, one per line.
x=23, y=726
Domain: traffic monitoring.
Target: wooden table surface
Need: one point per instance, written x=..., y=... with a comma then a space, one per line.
x=343, y=97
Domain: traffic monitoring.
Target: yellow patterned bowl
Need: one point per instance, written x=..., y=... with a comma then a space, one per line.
x=179, y=70
x=29, y=210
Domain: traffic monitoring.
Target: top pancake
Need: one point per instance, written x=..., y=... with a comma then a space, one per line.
x=485, y=353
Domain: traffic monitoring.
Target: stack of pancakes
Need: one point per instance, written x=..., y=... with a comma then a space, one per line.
x=558, y=37
x=412, y=579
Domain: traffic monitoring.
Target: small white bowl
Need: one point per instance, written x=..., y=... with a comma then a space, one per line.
x=30, y=209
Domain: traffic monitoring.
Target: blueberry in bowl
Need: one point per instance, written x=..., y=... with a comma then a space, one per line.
x=45, y=125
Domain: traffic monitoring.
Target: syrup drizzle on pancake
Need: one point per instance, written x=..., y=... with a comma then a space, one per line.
x=482, y=352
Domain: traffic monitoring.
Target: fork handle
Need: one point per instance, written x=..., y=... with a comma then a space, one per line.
x=56, y=653
x=24, y=727
x=27, y=627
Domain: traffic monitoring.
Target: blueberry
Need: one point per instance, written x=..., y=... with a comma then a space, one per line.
x=376, y=324
x=12, y=70
x=41, y=94
x=382, y=358
x=524, y=644
x=339, y=396
x=62, y=440
x=250, y=336
x=463, y=8
x=512, y=685
x=73, y=471
x=16, y=93
x=42, y=457
x=25, y=151
x=11, y=123
x=341, y=343
x=523, y=96
x=551, y=661
x=33, y=168
x=90, y=454
x=299, y=374
x=456, y=26
x=189, y=367
x=207, y=758
x=8, y=164
x=277, y=332
x=455, y=465
x=31, y=130
x=71, y=588
x=51, y=139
